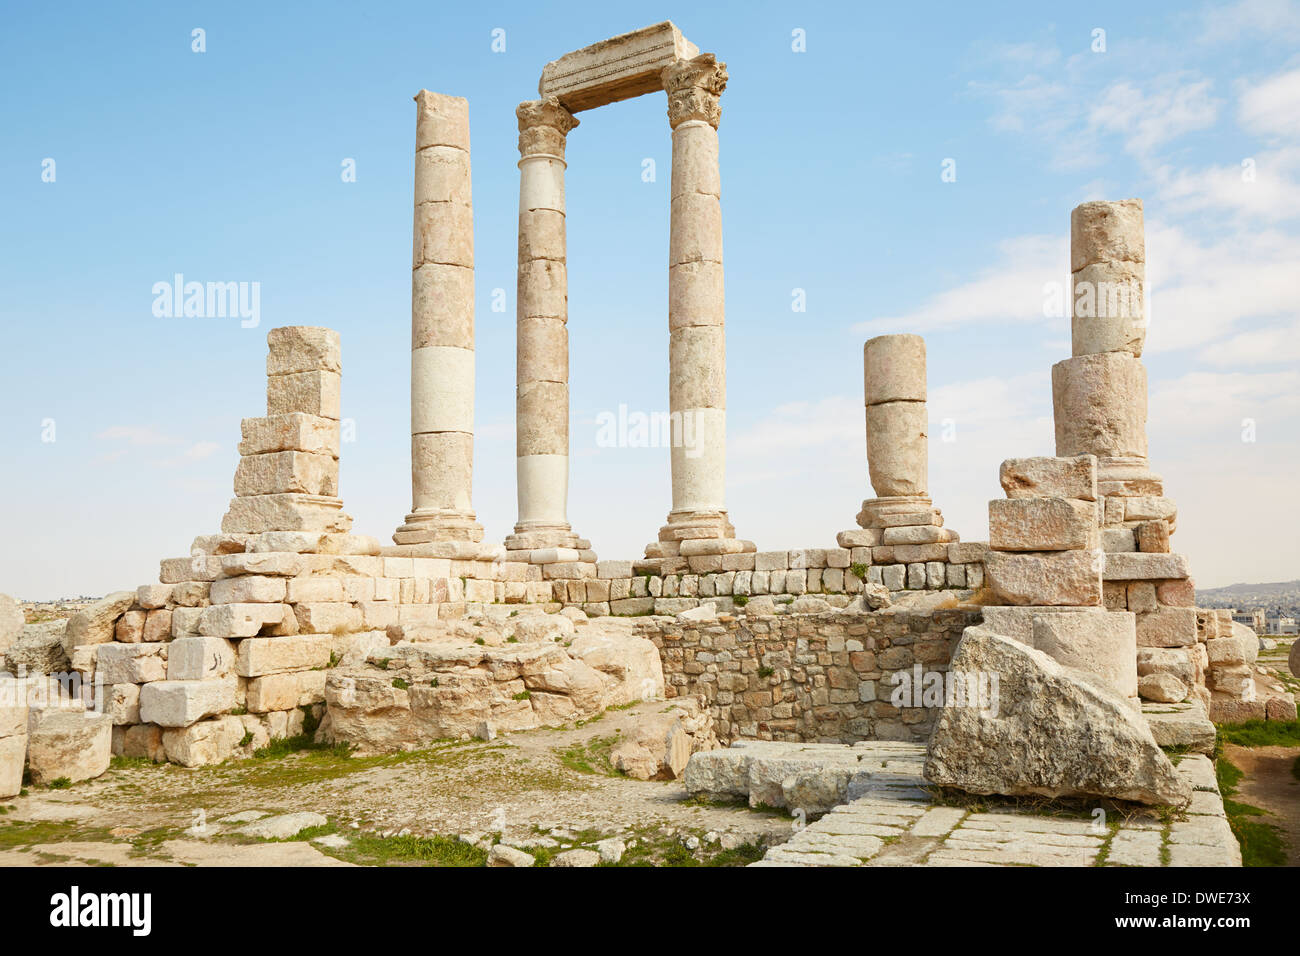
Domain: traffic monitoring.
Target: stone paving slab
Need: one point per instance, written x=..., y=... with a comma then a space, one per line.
x=892, y=821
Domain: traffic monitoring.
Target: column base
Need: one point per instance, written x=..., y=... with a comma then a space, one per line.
x=899, y=511
x=698, y=542
x=454, y=550
x=556, y=548
x=424, y=526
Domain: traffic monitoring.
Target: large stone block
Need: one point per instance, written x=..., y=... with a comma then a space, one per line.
x=311, y=393
x=1167, y=627
x=94, y=624
x=245, y=620
x=287, y=472
x=1144, y=566
x=260, y=656
x=13, y=756
x=303, y=348
x=624, y=66
x=288, y=512
x=180, y=703
x=894, y=369
x=131, y=663
x=1045, y=477
x=1048, y=732
x=248, y=589
x=204, y=743
x=1042, y=524
x=1060, y=578
x=77, y=746
x=1100, y=643
x=294, y=431
x=200, y=658
x=1100, y=405
x=284, y=691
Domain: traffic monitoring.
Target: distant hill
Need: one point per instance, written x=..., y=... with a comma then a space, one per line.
x=1254, y=590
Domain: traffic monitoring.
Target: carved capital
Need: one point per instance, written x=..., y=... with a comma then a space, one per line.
x=543, y=126
x=693, y=87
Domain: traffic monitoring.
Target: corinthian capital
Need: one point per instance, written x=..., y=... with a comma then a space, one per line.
x=693, y=88
x=543, y=125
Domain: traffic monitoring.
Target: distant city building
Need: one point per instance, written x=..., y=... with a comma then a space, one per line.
x=1252, y=619
x=1282, y=625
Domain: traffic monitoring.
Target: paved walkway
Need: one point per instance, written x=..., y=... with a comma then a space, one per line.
x=895, y=823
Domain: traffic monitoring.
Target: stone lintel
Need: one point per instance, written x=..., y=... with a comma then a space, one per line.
x=616, y=69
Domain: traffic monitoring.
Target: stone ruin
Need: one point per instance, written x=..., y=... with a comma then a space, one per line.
x=286, y=622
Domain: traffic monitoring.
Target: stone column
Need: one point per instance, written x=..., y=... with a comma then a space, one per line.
x=442, y=328
x=897, y=427
x=697, y=353
x=542, y=354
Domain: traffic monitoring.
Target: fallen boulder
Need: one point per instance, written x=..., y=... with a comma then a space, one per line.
x=39, y=650
x=69, y=745
x=1047, y=731
x=658, y=746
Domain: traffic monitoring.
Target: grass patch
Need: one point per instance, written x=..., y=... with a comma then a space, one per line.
x=59, y=783
x=1261, y=843
x=374, y=850
x=591, y=756
x=1262, y=733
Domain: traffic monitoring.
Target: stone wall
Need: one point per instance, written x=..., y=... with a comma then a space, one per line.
x=814, y=677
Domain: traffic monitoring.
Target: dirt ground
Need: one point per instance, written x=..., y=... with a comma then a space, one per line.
x=553, y=788
x=1268, y=783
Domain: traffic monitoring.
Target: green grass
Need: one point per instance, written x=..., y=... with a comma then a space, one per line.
x=740, y=600
x=591, y=756
x=1261, y=843
x=401, y=684
x=374, y=850
x=60, y=783
x=1262, y=733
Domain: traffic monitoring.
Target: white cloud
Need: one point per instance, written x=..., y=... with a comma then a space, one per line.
x=1174, y=107
x=1251, y=19
x=135, y=435
x=1011, y=290
x=1273, y=106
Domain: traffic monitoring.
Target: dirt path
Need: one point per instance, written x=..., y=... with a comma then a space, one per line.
x=529, y=786
x=1268, y=783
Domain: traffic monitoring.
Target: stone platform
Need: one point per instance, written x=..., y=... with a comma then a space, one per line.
x=891, y=818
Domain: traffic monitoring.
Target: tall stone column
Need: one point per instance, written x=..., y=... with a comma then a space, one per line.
x=442, y=328
x=542, y=355
x=697, y=352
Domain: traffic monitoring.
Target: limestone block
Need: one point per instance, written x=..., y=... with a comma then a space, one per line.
x=1140, y=566
x=262, y=563
x=295, y=431
x=1147, y=508
x=200, y=658
x=1118, y=539
x=694, y=229
x=1141, y=596
x=244, y=620
x=204, y=743
x=1052, y=733
x=542, y=418
x=1098, y=642
x=442, y=468
x=288, y=512
x=131, y=663
x=616, y=69
x=311, y=393
x=442, y=306
x=1153, y=537
x=442, y=389
x=697, y=368
x=151, y=596
x=917, y=534
x=286, y=472
x=13, y=757
x=1108, y=308
x=77, y=746
x=1061, y=578
x=248, y=589
x=696, y=298
x=12, y=620
x=130, y=627
x=443, y=233
x=441, y=120
x=180, y=703
x=185, y=621
x=1181, y=593
x=144, y=740
x=543, y=289
x=1167, y=627
x=1042, y=524
x=260, y=656
x=897, y=448
x=442, y=175
x=894, y=369
x=1163, y=687
x=303, y=348
x=1046, y=477
x=542, y=353
x=94, y=624
x=1100, y=405
x=327, y=618
x=283, y=691
x=1106, y=231
x=122, y=703
x=967, y=552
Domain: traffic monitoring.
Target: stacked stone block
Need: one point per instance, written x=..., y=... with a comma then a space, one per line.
x=1044, y=570
x=13, y=739
x=288, y=474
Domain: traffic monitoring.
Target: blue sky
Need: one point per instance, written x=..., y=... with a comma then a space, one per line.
x=225, y=166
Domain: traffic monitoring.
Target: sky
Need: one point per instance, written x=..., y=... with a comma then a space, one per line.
x=281, y=154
